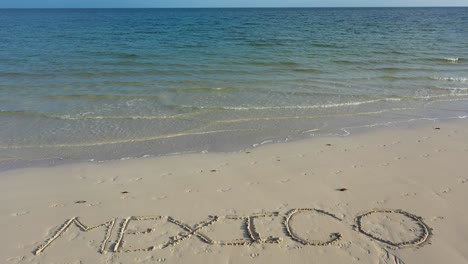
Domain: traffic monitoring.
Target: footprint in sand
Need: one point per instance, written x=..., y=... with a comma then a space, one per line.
x=162, y=197
x=425, y=156
x=224, y=190
x=224, y=164
x=282, y=206
x=164, y=175
x=56, y=205
x=409, y=194
x=463, y=180
x=20, y=213
x=136, y=179
x=422, y=139
x=93, y=204
x=99, y=181
x=444, y=191
x=254, y=255
x=319, y=152
x=16, y=259
x=385, y=164
x=447, y=190
x=380, y=201
x=437, y=218
x=284, y=180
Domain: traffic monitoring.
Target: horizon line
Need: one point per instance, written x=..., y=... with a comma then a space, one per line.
x=240, y=7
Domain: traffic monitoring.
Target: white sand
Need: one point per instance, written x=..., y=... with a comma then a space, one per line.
x=423, y=171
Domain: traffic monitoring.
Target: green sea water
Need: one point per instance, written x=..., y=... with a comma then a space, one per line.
x=101, y=84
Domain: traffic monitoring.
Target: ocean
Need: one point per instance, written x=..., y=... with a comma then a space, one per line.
x=105, y=84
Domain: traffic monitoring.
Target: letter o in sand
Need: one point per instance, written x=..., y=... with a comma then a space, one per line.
x=287, y=225
x=423, y=234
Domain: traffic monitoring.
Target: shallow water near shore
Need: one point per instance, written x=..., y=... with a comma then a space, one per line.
x=102, y=84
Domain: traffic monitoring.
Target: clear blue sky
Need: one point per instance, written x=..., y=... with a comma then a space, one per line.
x=227, y=3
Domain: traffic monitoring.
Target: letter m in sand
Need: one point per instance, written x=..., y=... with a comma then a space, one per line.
x=109, y=225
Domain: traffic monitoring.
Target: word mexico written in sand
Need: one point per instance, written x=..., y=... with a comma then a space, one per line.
x=249, y=224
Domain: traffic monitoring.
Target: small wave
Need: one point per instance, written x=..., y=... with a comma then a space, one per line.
x=117, y=73
x=128, y=117
x=295, y=106
x=122, y=55
x=87, y=116
x=346, y=62
x=389, y=69
x=250, y=90
x=150, y=32
x=276, y=118
x=130, y=63
x=334, y=105
x=428, y=97
x=26, y=74
x=305, y=70
x=390, y=78
x=453, y=60
x=325, y=45
x=123, y=141
x=450, y=88
x=203, y=89
x=450, y=79
x=24, y=113
x=275, y=63
x=267, y=43
x=441, y=60
x=102, y=97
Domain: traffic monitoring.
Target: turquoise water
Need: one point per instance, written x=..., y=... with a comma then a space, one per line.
x=79, y=84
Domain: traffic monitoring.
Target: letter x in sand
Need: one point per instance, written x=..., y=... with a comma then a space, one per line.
x=190, y=231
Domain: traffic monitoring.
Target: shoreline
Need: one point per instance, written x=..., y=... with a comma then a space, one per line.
x=340, y=132
x=219, y=140
x=371, y=195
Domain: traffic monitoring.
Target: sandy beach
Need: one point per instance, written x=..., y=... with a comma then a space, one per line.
x=390, y=195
